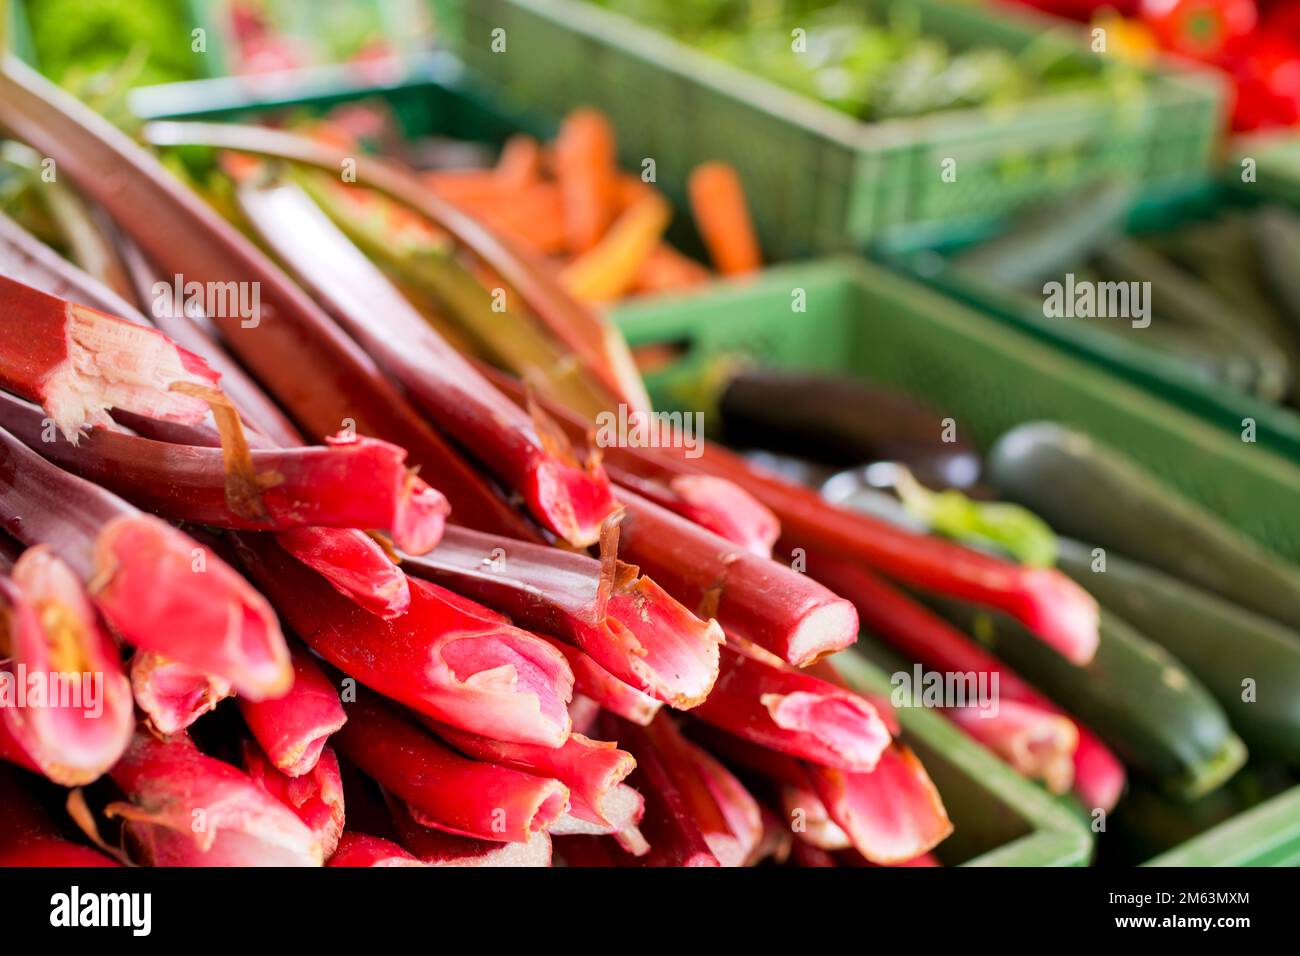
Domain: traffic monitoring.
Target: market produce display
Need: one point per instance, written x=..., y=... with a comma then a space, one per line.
x=384, y=489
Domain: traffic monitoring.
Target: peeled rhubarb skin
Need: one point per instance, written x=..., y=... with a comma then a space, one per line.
x=49, y=630
x=292, y=730
x=184, y=808
x=795, y=713
x=447, y=657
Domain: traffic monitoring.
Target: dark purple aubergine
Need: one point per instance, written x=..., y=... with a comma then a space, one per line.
x=843, y=422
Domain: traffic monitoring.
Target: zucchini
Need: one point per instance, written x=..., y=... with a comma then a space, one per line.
x=1184, y=300
x=1157, y=717
x=1048, y=239
x=1087, y=490
x=1276, y=233
x=1220, y=643
x=842, y=422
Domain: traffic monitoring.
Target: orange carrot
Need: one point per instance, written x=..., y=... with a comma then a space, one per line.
x=718, y=204
x=607, y=271
x=520, y=162
x=667, y=270
x=585, y=167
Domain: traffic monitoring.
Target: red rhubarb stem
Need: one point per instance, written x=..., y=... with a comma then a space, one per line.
x=447, y=657
x=362, y=483
x=631, y=627
x=762, y=601
x=156, y=587
x=173, y=695
x=571, y=498
x=184, y=808
x=794, y=713
x=441, y=788
x=65, y=701
x=292, y=730
x=315, y=797
x=77, y=363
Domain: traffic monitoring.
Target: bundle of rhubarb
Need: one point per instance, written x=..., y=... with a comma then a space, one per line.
x=455, y=633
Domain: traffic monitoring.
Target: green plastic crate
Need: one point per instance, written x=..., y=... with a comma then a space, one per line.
x=1276, y=428
x=1276, y=158
x=431, y=96
x=864, y=319
x=817, y=179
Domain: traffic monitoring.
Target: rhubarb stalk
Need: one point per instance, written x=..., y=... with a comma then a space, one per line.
x=184, y=808
x=64, y=699
x=570, y=497
x=797, y=714
x=156, y=587
x=77, y=363
x=762, y=601
x=591, y=769
x=441, y=788
x=682, y=821
x=447, y=657
x=316, y=797
x=1032, y=738
x=622, y=620
x=605, y=690
x=292, y=729
x=357, y=483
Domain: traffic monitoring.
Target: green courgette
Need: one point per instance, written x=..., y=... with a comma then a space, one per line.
x=1250, y=663
x=1086, y=490
x=1157, y=717
x=1182, y=299
x=1276, y=233
x=1049, y=238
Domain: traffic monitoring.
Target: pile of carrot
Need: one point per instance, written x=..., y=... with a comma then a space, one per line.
x=601, y=226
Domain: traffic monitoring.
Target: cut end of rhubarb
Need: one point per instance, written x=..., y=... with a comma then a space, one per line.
x=164, y=592
x=825, y=629
x=173, y=695
x=525, y=685
x=843, y=723
x=354, y=564
x=113, y=363
x=1063, y=614
x=421, y=518
x=572, y=500
x=1038, y=743
x=48, y=627
x=892, y=814
x=679, y=652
